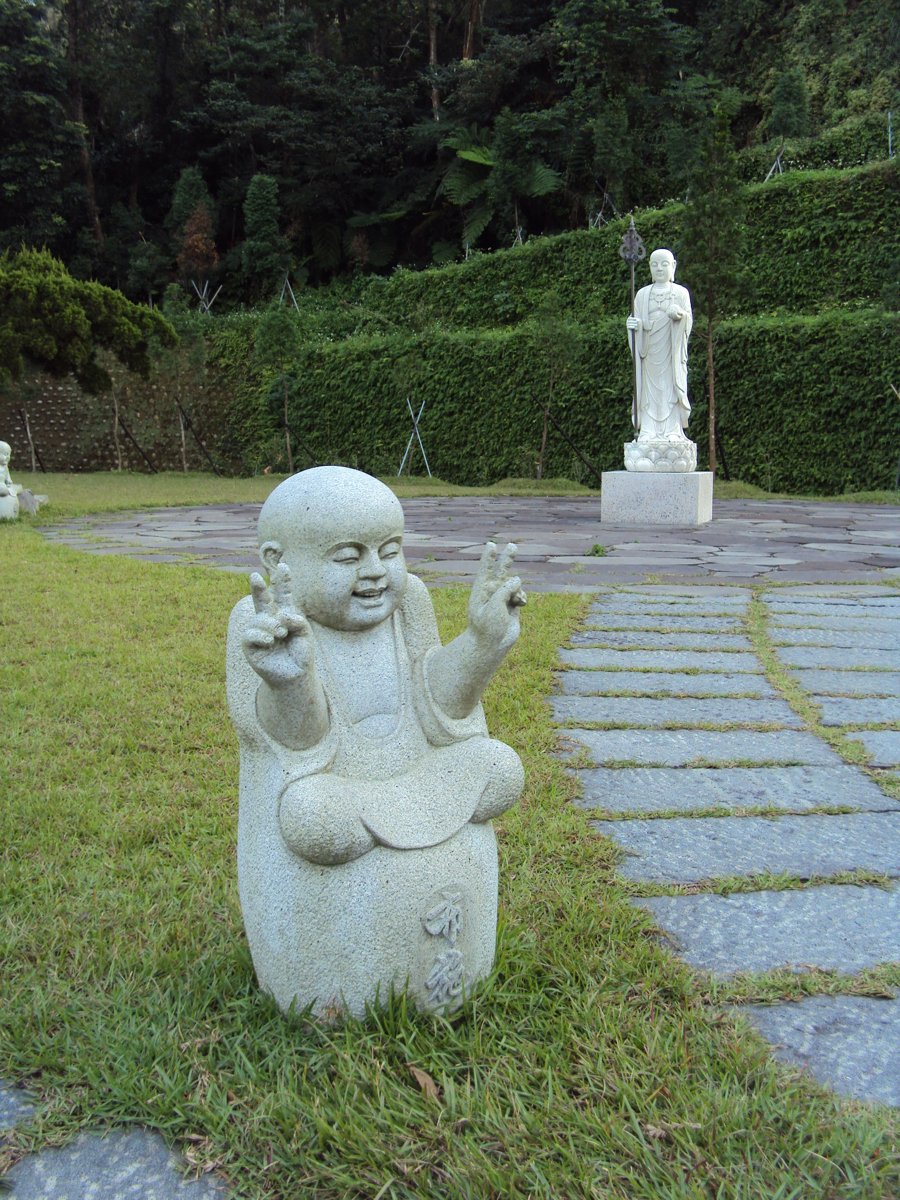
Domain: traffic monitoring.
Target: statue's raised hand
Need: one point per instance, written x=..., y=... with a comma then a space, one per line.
x=277, y=642
x=496, y=599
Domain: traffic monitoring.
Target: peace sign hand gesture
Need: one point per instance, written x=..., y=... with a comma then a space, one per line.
x=496, y=599
x=277, y=642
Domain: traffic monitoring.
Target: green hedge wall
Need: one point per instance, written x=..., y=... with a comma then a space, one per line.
x=804, y=403
x=815, y=239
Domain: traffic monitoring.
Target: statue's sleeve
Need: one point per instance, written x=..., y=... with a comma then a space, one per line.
x=422, y=640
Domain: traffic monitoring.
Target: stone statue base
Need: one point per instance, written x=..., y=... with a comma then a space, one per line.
x=342, y=937
x=660, y=454
x=656, y=498
x=9, y=507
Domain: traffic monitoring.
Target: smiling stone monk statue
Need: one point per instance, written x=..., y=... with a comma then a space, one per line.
x=366, y=858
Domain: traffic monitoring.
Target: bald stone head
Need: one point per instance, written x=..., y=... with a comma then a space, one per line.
x=662, y=266
x=340, y=533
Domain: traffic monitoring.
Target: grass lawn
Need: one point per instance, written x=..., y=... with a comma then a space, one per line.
x=107, y=491
x=591, y=1064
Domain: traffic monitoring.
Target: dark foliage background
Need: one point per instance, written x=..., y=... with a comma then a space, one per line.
x=399, y=131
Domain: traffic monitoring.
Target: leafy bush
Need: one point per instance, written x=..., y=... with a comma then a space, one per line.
x=815, y=238
x=803, y=401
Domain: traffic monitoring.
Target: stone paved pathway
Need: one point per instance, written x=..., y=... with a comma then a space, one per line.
x=653, y=667
x=683, y=802
x=759, y=540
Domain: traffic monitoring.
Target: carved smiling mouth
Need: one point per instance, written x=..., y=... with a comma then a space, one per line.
x=374, y=593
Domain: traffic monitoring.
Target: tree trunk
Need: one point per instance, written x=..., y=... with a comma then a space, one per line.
x=431, y=7
x=473, y=23
x=118, y=444
x=287, y=430
x=76, y=111
x=711, y=376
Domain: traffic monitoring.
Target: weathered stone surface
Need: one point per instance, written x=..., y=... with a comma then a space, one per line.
x=681, y=747
x=661, y=789
x=857, y=621
x=836, y=656
x=849, y=683
x=832, y=927
x=869, y=639
x=844, y=710
x=849, y=1043
x=660, y=641
x=119, y=1166
x=631, y=622
x=661, y=660
x=656, y=498
x=590, y=683
x=688, y=849
x=883, y=604
x=883, y=746
x=15, y=1107
x=685, y=712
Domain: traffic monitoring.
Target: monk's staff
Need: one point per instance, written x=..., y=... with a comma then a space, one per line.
x=633, y=250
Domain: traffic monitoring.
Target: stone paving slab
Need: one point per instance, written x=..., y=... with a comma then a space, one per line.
x=690, y=849
x=682, y=747
x=885, y=609
x=15, y=1107
x=661, y=789
x=591, y=683
x=851, y=683
x=671, y=607
x=124, y=1164
x=631, y=622
x=661, y=660
x=862, y=623
x=880, y=602
x=844, y=710
x=868, y=639
x=683, y=712
x=849, y=1043
x=660, y=641
x=836, y=656
x=882, y=746
x=835, y=928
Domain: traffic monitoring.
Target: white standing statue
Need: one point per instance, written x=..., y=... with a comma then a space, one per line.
x=366, y=857
x=658, y=333
x=9, y=491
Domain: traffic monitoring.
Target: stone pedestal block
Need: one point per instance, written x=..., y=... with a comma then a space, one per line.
x=656, y=498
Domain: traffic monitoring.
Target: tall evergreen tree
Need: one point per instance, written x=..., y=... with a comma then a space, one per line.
x=264, y=254
x=38, y=144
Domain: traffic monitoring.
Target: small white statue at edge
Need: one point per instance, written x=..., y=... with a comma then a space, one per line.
x=658, y=333
x=366, y=857
x=9, y=491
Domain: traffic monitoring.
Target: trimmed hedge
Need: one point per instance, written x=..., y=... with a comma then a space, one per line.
x=804, y=403
x=815, y=239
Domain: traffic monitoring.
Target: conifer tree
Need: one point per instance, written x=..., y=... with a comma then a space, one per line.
x=264, y=254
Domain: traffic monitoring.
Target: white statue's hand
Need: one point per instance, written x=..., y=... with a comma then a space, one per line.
x=676, y=313
x=496, y=599
x=277, y=644
x=633, y=323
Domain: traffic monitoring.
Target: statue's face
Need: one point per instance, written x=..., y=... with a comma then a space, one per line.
x=350, y=574
x=662, y=267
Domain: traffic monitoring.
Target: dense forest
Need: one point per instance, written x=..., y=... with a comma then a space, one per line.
x=237, y=142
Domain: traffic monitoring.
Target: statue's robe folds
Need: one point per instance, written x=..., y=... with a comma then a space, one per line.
x=416, y=910
x=660, y=349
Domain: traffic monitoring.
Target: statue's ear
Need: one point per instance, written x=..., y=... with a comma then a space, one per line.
x=270, y=553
